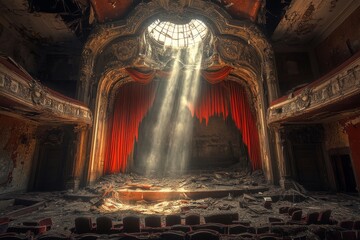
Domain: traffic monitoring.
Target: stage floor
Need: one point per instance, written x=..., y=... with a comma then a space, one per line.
x=197, y=185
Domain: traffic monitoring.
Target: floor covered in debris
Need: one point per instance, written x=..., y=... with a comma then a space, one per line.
x=102, y=199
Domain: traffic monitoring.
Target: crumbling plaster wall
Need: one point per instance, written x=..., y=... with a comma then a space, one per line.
x=335, y=139
x=335, y=136
x=216, y=144
x=17, y=146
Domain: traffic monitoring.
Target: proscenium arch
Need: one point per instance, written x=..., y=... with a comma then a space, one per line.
x=109, y=84
x=97, y=80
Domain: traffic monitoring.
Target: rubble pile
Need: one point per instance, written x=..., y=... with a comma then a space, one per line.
x=100, y=200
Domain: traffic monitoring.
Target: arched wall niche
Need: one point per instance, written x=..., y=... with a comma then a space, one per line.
x=115, y=46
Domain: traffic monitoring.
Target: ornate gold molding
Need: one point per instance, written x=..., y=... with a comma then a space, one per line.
x=249, y=44
x=245, y=48
x=34, y=101
x=344, y=84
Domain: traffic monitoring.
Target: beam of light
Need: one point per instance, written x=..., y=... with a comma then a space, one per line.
x=153, y=158
x=180, y=141
x=170, y=145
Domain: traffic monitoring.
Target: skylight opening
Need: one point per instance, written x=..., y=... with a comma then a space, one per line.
x=178, y=35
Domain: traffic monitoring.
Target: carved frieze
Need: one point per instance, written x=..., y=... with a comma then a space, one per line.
x=35, y=98
x=126, y=49
x=345, y=83
x=119, y=54
x=254, y=55
x=37, y=93
x=256, y=51
x=304, y=99
x=86, y=66
x=237, y=52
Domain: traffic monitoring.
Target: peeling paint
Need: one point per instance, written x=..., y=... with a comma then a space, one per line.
x=16, y=152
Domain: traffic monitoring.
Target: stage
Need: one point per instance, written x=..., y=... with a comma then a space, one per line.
x=176, y=193
x=194, y=185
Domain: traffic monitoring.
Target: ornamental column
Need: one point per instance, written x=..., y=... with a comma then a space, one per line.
x=79, y=164
x=283, y=157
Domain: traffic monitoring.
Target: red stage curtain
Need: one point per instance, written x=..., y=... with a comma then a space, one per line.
x=212, y=76
x=212, y=102
x=134, y=100
x=141, y=77
x=245, y=122
x=131, y=104
x=216, y=76
x=218, y=99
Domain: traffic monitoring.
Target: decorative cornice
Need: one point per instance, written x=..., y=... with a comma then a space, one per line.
x=252, y=47
x=34, y=101
x=342, y=85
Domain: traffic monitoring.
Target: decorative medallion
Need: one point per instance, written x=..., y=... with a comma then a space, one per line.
x=37, y=93
x=303, y=100
x=126, y=49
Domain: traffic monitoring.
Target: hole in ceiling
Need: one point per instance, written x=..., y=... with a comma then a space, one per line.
x=178, y=35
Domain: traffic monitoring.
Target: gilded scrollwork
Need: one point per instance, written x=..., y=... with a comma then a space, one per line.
x=237, y=53
x=37, y=98
x=37, y=93
x=344, y=84
x=126, y=49
x=256, y=50
x=229, y=49
x=303, y=100
x=253, y=65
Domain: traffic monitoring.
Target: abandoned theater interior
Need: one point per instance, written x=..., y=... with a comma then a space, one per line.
x=180, y=119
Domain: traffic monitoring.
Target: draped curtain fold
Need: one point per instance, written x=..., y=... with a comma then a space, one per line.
x=132, y=102
x=217, y=97
x=226, y=97
x=140, y=76
x=216, y=76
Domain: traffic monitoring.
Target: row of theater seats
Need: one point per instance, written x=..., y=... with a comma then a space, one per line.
x=225, y=224
x=168, y=235
x=319, y=218
x=36, y=226
x=176, y=235
x=154, y=223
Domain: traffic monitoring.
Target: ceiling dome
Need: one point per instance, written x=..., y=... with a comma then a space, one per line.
x=178, y=35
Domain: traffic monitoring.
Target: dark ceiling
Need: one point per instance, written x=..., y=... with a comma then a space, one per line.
x=47, y=20
x=80, y=14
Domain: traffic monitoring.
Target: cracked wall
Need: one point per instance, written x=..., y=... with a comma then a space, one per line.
x=17, y=146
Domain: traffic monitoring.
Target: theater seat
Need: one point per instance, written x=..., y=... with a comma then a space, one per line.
x=173, y=235
x=84, y=225
x=131, y=224
x=192, y=219
x=171, y=220
x=204, y=234
x=218, y=227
